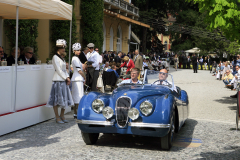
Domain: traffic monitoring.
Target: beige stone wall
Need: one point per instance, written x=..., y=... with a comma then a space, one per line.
x=43, y=40
x=115, y=23
x=164, y=38
x=78, y=18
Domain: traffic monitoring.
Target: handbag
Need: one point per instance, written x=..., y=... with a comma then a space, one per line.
x=100, y=82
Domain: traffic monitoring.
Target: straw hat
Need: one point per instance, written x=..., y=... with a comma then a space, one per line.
x=125, y=58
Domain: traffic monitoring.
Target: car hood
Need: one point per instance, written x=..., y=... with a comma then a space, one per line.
x=136, y=92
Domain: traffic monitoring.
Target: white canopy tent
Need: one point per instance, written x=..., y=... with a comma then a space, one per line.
x=193, y=50
x=34, y=9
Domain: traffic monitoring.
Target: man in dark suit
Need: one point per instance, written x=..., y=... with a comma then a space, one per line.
x=27, y=56
x=194, y=62
x=130, y=55
x=118, y=58
x=83, y=55
x=209, y=62
x=188, y=62
x=2, y=54
x=184, y=61
x=11, y=59
x=154, y=58
x=180, y=59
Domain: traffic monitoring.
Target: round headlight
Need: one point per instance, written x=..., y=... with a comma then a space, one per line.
x=146, y=108
x=107, y=112
x=97, y=105
x=133, y=113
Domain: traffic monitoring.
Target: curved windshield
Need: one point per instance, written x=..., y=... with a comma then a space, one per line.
x=158, y=78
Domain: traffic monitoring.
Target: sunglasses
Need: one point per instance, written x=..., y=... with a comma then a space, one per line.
x=90, y=47
x=163, y=73
x=30, y=52
x=96, y=50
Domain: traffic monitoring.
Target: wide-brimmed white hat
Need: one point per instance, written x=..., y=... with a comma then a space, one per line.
x=61, y=43
x=76, y=46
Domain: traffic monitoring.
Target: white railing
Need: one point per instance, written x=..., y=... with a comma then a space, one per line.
x=124, y=5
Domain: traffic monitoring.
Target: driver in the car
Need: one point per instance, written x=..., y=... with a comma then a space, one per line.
x=163, y=74
x=134, y=77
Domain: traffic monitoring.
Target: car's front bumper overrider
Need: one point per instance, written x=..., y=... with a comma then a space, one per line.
x=148, y=125
x=90, y=122
x=131, y=124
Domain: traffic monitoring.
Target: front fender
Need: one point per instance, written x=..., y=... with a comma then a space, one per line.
x=85, y=111
x=162, y=109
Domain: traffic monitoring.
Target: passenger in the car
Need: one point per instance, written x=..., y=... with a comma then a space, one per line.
x=134, y=77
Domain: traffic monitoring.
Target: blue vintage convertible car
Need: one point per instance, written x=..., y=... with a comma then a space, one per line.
x=155, y=108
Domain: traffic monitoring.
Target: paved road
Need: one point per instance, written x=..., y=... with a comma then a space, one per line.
x=207, y=134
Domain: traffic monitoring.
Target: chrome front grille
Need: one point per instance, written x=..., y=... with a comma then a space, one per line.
x=122, y=106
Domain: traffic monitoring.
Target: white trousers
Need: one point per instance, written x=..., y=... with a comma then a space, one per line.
x=205, y=65
x=234, y=82
x=77, y=91
x=218, y=75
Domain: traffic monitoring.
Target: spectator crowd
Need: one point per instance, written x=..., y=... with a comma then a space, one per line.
x=24, y=54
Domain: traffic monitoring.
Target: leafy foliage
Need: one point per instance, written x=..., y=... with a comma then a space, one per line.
x=92, y=19
x=195, y=19
x=27, y=33
x=223, y=14
x=233, y=48
x=150, y=11
x=61, y=30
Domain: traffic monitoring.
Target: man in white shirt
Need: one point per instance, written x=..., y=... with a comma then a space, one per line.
x=163, y=74
x=106, y=66
x=93, y=69
x=134, y=77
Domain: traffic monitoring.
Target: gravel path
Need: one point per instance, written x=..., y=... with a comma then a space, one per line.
x=207, y=134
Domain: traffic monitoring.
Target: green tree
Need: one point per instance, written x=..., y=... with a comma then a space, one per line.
x=196, y=34
x=233, y=48
x=150, y=11
x=92, y=21
x=222, y=14
x=27, y=33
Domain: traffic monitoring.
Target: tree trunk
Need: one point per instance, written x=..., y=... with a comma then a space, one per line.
x=144, y=40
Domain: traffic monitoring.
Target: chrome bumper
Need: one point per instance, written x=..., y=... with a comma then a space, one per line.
x=148, y=125
x=132, y=124
x=104, y=123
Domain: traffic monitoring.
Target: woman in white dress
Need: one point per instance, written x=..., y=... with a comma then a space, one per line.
x=60, y=95
x=78, y=78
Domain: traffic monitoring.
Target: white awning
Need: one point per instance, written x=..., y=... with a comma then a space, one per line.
x=193, y=50
x=135, y=38
x=36, y=9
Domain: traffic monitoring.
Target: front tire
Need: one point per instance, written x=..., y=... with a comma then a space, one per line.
x=166, y=141
x=90, y=138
